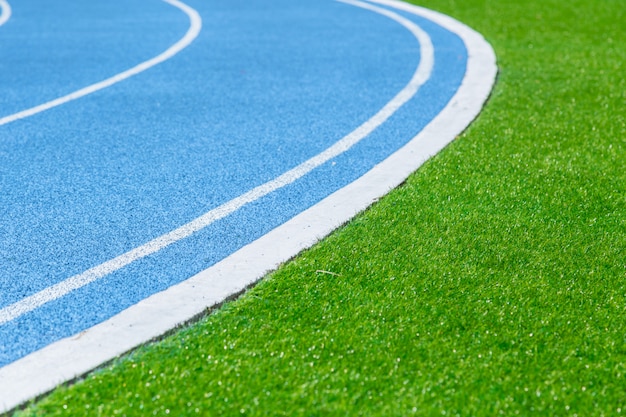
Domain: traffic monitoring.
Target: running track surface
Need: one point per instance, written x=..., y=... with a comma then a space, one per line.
x=144, y=141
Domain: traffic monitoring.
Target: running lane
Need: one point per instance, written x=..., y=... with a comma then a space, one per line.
x=265, y=87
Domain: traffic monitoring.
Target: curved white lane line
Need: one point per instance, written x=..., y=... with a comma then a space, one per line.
x=5, y=12
x=421, y=75
x=192, y=33
x=74, y=356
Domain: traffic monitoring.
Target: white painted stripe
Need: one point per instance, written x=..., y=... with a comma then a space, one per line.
x=5, y=12
x=421, y=75
x=74, y=356
x=192, y=33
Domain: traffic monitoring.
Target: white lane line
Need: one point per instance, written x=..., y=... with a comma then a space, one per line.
x=156, y=315
x=192, y=33
x=5, y=12
x=420, y=76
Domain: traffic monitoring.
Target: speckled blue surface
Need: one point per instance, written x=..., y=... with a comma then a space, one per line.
x=267, y=85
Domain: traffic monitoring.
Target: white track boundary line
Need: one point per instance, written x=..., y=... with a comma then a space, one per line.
x=192, y=33
x=74, y=356
x=5, y=12
x=420, y=76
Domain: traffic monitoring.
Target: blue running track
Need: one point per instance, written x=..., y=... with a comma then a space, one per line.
x=265, y=86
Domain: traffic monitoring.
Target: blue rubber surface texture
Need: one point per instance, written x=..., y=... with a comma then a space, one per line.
x=267, y=85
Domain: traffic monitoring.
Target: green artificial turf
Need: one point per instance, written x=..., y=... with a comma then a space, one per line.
x=492, y=283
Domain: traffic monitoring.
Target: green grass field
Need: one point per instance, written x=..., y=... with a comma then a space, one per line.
x=492, y=283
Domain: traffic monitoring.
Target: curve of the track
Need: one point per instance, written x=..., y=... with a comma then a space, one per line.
x=264, y=87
